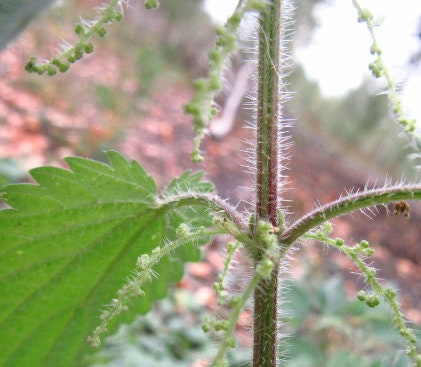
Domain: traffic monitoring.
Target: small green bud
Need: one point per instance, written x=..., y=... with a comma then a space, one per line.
x=79, y=50
x=362, y=295
x=79, y=29
x=216, y=57
x=142, y=262
x=213, y=111
x=105, y=315
x=369, y=252
x=56, y=62
x=199, y=123
x=365, y=16
x=364, y=244
x=115, y=303
x=101, y=32
x=151, y=4
x=375, y=49
x=235, y=19
x=191, y=108
x=411, y=127
x=32, y=67
x=196, y=156
x=230, y=342
x=227, y=41
x=339, y=242
x=397, y=109
x=51, y=70
x=263, y=226
x=403, y=332
x=89, y=48
x=264, y=269
x=327, y=227
x=30, y=64
x=376, y=68
x=231, y=247
x=206, y=328
x=183, y=230
x=234, y=301
x=138, y=292
x=372, y=272
x=200, y=85
x=62, y=67
x=404, y=122
x=223, y=294
x=156, y=251
x=118, y=16
x=222, y=325
x=94, y=341
x=412, y=338
x=372, y=301
x=214, y=82
x=265, y=235
x=220, y=30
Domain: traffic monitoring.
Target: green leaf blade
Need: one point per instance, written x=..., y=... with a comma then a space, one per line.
x=67, y=245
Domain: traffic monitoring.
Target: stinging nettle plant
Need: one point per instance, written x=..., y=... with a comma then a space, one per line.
x=88, y=248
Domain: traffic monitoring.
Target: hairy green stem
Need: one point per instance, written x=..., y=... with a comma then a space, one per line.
x=348, y=204
x=211, y=201
x=267, y=176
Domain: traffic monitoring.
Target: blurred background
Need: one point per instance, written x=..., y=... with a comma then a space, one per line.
x=129, y=96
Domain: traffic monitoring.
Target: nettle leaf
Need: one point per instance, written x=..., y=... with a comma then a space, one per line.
x=69, y=243
x=187, y=182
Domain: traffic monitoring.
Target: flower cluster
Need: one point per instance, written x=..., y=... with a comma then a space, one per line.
x=378, y=69
x=201, y=107
x=357, y=254
x=85, y=30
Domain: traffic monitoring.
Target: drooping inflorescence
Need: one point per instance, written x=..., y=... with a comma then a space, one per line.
x=144, y=273
x=201, y=107
x=85, y=30
x=358, y=254
x=378, y=69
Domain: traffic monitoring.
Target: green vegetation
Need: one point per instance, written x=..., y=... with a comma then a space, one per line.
x=89, y=247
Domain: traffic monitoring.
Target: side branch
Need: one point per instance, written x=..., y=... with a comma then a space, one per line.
x=213, y=202
x=144, y=273
x=346, y=205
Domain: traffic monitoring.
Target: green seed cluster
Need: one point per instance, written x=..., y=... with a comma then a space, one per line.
x=237, y=303
x=371, y=300
x=151, y=4
x=144, y=273
x=201, y=106
x=219, y=285
x=357, y=254
x=85, y=30
x=378, y=69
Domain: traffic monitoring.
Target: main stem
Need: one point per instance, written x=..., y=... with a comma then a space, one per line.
x=267, y=176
